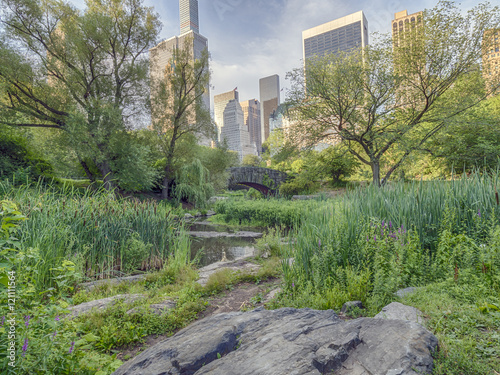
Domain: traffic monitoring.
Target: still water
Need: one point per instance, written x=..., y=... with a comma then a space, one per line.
x=219, y=242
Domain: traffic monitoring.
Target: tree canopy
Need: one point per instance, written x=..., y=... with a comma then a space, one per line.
x=395, y=95
x=84, y=72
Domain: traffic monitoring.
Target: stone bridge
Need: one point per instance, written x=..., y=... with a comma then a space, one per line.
x=265, y=180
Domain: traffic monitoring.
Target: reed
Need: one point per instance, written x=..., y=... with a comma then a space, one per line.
x=93, y=229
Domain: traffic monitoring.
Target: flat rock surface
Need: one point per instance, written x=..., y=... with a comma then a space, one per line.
x=213, y=234
x=101, y=304
x=289, y=342
x=156, y=308
x=237, y=265
x=128, y=279
x=396, y=310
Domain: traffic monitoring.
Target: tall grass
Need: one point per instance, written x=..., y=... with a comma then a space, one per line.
x=94, y=229
x=343, y=233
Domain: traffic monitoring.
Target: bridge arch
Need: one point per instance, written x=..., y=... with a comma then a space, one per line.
x=265, y=180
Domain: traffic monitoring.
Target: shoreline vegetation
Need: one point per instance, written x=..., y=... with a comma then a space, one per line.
x=440, y=236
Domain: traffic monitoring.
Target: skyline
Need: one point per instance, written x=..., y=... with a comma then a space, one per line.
x=249, y=40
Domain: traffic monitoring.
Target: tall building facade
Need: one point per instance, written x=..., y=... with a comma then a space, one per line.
x=188, y=11
x=403, y=22
x=491, y=58
x=251, y=118
x=342, y=34
x=234, y=131
x=160, y=55
x=220, y=103
x=269, y=88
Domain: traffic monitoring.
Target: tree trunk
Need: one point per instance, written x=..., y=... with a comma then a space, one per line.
x=376, y=172
x=106, y=175
x=164, y=190
x=86, y=168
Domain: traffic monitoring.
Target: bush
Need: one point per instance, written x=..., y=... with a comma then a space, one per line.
x=298, y=186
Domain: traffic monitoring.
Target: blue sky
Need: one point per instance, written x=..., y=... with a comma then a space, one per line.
x=251, y=39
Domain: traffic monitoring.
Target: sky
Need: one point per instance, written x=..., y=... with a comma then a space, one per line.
x=252, y=39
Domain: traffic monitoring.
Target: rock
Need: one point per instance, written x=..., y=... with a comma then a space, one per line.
x=213, y=200
x=188, y=216
x=129, y=279
x=398, y=311
x=348, y=306
x=210, y=213
x=405, y=292
x=289, y=342
x=158, y=308
x=198, y=214
x=241, y=234
x=236, y=265
x=273, y=293
x=102, y=304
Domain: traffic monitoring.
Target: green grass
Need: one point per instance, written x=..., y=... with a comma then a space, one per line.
x=103, y=235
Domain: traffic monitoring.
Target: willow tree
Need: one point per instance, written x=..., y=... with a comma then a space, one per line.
x=392, y=97
x=177, y=102
x=82, y=72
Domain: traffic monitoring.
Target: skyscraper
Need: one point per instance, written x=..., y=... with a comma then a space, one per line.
x=220, y=103
x=251, y=118
x=230, y=123
x=188, y=10
x=491, y=58
x=342, y=34
x=269, y=88
x=403, y=22
x=160, y=55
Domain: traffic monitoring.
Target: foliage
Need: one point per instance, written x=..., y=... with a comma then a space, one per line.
x=471, y=140
x=335, y=162
x=298, y=185
x=250, y=160
x=193, y=184
x=18, y=159
x=177, y=104
x=59, y=70
x=217, y=160
x=97, y=231
x=393, y=97
x=264, y=212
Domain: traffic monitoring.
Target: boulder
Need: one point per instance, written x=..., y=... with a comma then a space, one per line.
x=348, y=306
x=406, y=291
x=289, y=342
x=157, y=308
x=398, y=311
x=101, y=304
x=118, y=280
x=240, y=264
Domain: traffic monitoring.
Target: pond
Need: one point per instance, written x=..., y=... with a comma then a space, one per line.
x=213, y=242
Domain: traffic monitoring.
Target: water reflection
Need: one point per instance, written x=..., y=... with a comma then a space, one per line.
x=211, y=250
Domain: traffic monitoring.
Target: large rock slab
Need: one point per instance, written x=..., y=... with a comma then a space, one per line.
x=118, y=280
x=240, y=264
x=396, y=310
x=289, y=342
x=101, y=304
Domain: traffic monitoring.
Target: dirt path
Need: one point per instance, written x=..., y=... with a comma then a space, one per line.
x=244, y=296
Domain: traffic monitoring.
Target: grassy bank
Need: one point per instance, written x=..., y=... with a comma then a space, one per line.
x=442, y=236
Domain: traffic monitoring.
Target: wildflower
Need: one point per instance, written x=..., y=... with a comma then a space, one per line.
x=367, y=239
x=319, y=243
x=3, y=321
x=25, y=347
x=479, y=212
x=375, y=238
x=54, y=334
x=72, y=347
x=27, y=320
x=383, y=223
x=57, y=318
x=390, y=224
x=293, y=285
